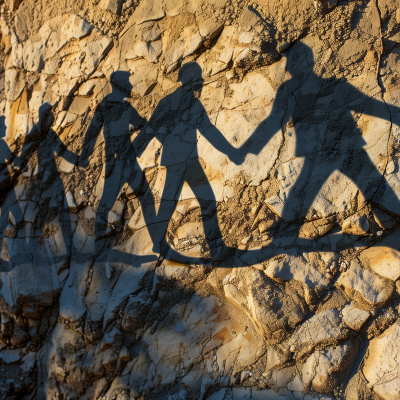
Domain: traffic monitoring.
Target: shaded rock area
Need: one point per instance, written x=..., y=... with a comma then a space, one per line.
x=199, y=199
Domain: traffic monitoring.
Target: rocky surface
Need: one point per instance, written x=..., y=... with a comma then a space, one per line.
x=199, y=199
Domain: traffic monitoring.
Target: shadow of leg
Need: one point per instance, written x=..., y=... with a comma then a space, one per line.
x=198, y=182
x=157, y=221
x=110, y=190
x=372, y=183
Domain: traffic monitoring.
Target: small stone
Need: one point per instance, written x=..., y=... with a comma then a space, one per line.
x=111, y=5
x=383, y=257
x=384, y=220
x=284, y=46
x=29, y=311
x=298, y=269
x=364, y=285
x=6, y=325
x=356, y=225
x=27, y=172
x=244, y=375
x=10, y=356
x=324, y=369
x=19, y=337
x=353, y=317
x=229, y=75
x=113, y=217
x=324, y=328
x=390, y=167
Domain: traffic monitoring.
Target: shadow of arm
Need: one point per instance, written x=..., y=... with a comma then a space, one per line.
x=262, y=135
x=270, y=126
x=259, y=138
x=218, y=140
x=146, y=133
x=374, y=107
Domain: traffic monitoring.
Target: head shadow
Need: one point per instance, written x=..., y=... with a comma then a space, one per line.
x=120, y=79
x=190, y=74
x=299, y=60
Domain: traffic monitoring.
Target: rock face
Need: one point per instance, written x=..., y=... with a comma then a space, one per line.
x=199, y=199
x=381, y=368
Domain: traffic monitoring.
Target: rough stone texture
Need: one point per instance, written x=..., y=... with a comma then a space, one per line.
x=353, y=317
x=323, y=328
x=324, y=368
x=383, y=258
x=381, y=367
x=199, y=199
x=366, y=286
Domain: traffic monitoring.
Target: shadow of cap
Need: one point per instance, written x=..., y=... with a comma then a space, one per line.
x=190, y=73
x=121, y=80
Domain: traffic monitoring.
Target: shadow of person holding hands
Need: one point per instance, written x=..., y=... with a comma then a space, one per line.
x=175, y=123
x=117, y=118
x=41, y=189
x=327, y=135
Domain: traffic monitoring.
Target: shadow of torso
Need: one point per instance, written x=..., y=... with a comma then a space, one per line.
x=321, y=112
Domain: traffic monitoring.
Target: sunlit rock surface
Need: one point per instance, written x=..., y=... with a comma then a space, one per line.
x=199, y=199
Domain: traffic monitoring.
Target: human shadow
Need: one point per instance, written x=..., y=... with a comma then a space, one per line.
x=175, y=123
x=45, y=185
x=117, y=119
x=11, y=165
x=36, y=228
x=327, y=138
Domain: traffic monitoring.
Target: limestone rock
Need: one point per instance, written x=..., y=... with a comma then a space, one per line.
x=324, y=368
x=70, y=202
x=274, y=309
x=383, y=258
x=384, y=220
x=112, y=339
x=381, y=368
x=148, y=11
x=322, y=329
x=365, y=285
x=188, y=42
x=199, y=199
x=353, y=317
x=301, y=271
x=111, y=5
x=356, y=225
